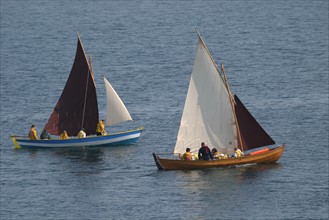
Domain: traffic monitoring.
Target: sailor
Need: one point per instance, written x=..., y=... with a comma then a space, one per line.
x=64, y=135
x=82, y=133
x=237, y=152
x=44, y=135
x=100, y=130
x=188, y=155
x=204, y=152
x=33, y=133
x=215, y=153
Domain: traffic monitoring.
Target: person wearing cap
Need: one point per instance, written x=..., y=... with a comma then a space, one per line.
x=204, y=152
x=64, y=135
x=100, y=130
x=33, y=133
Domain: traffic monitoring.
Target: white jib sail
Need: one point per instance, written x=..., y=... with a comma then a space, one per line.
x=207, y=115
x=116, y=111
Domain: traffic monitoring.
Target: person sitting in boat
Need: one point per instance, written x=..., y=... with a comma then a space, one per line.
x=44, y=135
x=100, y=130
x=188, y=155
x=204, y=152
x=64, y=135
x=82, y=133
x=237, y=152
x=33, y=133
x=215, y=153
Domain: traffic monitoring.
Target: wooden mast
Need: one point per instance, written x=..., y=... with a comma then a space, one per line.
x=232, y=105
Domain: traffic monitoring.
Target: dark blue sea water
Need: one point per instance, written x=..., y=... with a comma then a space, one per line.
x=276, y=57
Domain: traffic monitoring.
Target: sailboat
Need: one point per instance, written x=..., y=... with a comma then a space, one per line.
x=213, y=115
x=77, y=109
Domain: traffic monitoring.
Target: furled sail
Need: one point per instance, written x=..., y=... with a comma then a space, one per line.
x=77, y=106
x=207, y=115
x=116, y=111
x=252, y=134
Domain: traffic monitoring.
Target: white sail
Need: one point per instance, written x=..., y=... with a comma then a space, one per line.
x=207, y=115
x=116, y=111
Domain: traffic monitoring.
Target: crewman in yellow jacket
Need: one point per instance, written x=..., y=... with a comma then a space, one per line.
x=100, y=130
x=217, y=155
x=82, y=133
x=64, y=135
x=33, y=133
x=238, y=152
x=188, y=155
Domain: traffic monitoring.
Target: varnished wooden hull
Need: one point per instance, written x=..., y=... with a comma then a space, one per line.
x=171, y=164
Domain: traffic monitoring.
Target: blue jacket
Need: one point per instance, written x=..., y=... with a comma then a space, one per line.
x=204, y=153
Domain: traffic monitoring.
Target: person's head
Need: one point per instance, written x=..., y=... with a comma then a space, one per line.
x=235, y=148
x=214, y=150
x=64, y=132
x=203, y=144
x=32, y=126
x=188, y=149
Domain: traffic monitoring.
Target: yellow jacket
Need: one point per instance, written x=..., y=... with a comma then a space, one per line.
x=100, y=127
x=188, y=156
x=238, y=153
x=81, y=134
x=33, y=134
x=63, y=136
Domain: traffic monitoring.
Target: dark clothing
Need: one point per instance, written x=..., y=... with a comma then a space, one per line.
x=204, y=153
x=44, y=135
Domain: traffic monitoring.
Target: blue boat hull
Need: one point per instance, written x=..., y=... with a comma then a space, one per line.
x=121, y=138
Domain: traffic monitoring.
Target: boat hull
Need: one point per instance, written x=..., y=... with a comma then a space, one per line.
x=121, y=138
x=270, y=156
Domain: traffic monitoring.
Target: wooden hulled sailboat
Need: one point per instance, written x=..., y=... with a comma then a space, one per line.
x=212, y=115
x=77, y=109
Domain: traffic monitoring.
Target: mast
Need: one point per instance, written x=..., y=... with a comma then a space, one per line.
x=232, y=105
x=84, y=103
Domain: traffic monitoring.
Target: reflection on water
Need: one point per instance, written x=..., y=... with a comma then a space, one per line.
x=90, y=155
x=223, y=178
x=213, y=188
x=82, y=153
x=256, y=171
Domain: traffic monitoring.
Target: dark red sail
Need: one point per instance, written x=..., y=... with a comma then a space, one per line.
x=78, y=102
x=252, y=134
